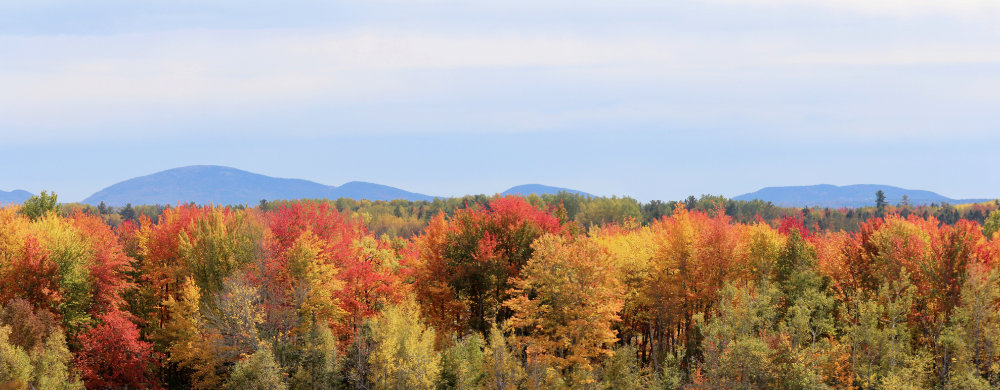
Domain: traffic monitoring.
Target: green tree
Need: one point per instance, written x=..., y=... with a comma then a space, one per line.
x=971, y=357
x=319, y=368
x=127, y=213
x=880, y=203
x=992, y=224
x=883, y=353
x=236, y=315
x=462, y=364
x=257, y=371
x=736, y=352
x=357, y=368
x=599, y=211
x=219, y=243
x=806, y=305
x=53, y=363
x=39, y=205
x=622, y=370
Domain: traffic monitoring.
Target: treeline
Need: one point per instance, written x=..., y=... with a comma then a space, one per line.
x=402, y=218
x=495, y=293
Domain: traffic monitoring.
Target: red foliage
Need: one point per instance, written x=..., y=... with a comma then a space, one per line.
x=368, y=282
x=514, y=211
x=788, y=224
x=128, y=237
x=466, y=263
x=32, y=276
x=109, y=266
x=162, y=269
x=111, y=355
x=859, y=257
x=289, y=222
x=956, y=248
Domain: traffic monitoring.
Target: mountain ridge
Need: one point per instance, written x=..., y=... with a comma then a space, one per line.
x=204, y=184
x=221, y=185
x=14, y=197
x=855, y=195
x=540, y=189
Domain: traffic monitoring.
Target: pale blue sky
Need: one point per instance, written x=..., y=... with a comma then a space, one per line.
x=652, y=99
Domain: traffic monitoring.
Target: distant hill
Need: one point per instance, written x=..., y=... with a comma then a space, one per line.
x=16, y=196
x=538, y=189
x=372, y=191
x=204, y=184
x=858, y=195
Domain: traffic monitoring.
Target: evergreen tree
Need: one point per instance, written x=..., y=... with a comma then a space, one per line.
x=880, y=204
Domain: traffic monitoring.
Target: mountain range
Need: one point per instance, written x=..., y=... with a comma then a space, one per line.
x=16, y=196
x=858, y=195
x=204, y=184
x=528, y=189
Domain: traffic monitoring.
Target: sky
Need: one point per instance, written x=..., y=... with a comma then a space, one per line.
x=648, y=99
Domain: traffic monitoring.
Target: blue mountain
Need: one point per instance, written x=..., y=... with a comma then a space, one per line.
x=16, y=196
x=204, y=184
x=858, y=195
x=372, y=191
x=538, y=189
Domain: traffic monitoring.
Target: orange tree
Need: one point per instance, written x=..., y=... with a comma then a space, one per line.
x=565, y=302
x=465, y=263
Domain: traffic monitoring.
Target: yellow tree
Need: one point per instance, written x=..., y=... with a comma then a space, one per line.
x=218, y=244
x=565, y=303
x=404, y=355
x=695, y=255
x=761, y=246
x=502, y=369
x=191, y=347
x=315, y=282
x=669, y=290
x=631, y=251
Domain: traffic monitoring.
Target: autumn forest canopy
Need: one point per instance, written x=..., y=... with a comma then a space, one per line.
x=538, y=292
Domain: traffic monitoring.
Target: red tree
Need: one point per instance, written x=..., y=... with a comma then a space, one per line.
x=368, y=267
x=473, y=257
x=109, y=265
x=111, y=355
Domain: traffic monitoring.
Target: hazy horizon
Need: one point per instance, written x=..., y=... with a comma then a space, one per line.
x=647, y=99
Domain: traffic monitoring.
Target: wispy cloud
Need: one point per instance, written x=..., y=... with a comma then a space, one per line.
x=849, y=74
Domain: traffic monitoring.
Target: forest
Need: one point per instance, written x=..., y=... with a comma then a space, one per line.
x=490, y=292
